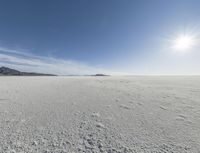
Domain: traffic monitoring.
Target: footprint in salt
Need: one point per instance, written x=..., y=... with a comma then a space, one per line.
x=95, y=114
x=163, y=108
x=139, y=103
x=99, y=125
x=124, y=107
x=181, y=117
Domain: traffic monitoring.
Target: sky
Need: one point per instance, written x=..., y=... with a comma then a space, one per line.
x=117, y=37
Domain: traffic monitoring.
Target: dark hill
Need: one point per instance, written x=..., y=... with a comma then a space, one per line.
x=5, y=71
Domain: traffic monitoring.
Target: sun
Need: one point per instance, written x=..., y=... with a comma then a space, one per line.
x=183, y=43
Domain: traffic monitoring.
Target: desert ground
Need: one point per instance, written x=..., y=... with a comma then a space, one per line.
x=138, y=114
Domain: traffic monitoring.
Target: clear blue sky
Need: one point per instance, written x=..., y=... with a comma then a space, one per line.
x=98, y=36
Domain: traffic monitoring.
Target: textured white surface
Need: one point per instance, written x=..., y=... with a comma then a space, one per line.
x=99, y=114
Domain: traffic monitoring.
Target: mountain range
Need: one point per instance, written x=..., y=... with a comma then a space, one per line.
x=5, y=71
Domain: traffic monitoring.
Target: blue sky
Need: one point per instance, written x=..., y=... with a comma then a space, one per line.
x=98, y=36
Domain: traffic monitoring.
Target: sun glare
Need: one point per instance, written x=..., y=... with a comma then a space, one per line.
x=183, y=43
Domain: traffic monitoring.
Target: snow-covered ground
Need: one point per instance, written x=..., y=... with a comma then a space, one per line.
x=99, y=114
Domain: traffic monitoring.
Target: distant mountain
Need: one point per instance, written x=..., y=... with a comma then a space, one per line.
x=100, y=75
x=5, y=71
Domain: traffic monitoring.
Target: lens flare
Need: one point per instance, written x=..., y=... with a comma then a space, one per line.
x=183, y=43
